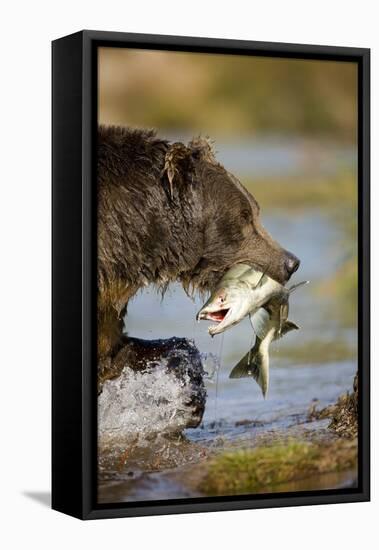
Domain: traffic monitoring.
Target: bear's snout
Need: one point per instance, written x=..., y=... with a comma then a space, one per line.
x=291, y=263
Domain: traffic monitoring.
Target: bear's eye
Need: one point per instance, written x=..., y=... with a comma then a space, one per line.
x=246, y=216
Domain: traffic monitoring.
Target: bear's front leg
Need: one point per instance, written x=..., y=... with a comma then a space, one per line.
x=112, y=304
x=109, y=341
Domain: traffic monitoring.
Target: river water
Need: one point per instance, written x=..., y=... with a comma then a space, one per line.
x=235, y=410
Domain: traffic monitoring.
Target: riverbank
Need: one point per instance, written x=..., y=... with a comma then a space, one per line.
x=307, y=455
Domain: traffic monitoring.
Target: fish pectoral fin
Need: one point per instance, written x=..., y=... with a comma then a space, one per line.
x=294, y=287
x=288, y=326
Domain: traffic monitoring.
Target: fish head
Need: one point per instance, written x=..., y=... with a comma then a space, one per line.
x=227, y=306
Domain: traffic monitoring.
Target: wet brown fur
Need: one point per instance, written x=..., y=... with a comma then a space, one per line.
x=169, y=212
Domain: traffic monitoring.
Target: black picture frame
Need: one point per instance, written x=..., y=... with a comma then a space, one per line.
x=74, y=409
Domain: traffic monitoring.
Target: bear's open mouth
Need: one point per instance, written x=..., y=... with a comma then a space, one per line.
x=217, y=316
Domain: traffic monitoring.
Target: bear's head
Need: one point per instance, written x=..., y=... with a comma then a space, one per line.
x=229, y=217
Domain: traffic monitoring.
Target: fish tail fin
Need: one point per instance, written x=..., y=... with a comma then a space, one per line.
x=294, y=287
x=250, y=366
x=243, y=369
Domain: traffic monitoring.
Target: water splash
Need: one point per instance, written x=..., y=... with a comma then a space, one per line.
x=160, y=399
x=211, y=364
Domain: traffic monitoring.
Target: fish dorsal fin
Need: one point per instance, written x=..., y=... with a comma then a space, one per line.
x=259, y=322
x=288, y=326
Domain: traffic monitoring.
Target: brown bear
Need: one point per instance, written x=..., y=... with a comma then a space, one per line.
x=170, y=212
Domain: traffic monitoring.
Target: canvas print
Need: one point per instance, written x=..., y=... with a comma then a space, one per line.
x=227, y=275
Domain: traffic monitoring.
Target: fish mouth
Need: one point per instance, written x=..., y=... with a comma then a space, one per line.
x=216, y=316
x=221, y=318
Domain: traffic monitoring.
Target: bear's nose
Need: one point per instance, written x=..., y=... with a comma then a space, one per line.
x=292, y=263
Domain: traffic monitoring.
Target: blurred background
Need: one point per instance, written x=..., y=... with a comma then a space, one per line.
x=288, y=130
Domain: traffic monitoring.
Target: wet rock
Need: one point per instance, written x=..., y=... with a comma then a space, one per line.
x=151, y=386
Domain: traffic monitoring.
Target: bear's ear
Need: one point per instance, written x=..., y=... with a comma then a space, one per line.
x=202, y=148
x=178, y=161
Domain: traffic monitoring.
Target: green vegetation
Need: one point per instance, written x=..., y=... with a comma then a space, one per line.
x=230, y=95
x=318, y=351
x=294, y=194
x=264, y=469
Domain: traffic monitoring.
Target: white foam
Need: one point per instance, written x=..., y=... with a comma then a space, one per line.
x=140, y=403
